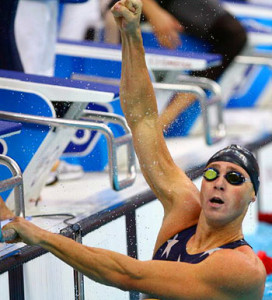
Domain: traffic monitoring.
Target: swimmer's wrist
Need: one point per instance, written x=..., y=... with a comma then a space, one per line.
x=135, y=36
x=44, y=238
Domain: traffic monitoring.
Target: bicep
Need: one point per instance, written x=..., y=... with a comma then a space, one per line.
x=171, y=280
x=165, y=178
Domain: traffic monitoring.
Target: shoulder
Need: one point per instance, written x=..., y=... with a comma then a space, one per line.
x=236, y=270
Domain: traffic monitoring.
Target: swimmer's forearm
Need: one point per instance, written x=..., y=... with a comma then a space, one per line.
x=100, y=265
x=136, y=92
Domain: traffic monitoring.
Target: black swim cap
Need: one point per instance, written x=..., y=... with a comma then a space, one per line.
x=241, y=157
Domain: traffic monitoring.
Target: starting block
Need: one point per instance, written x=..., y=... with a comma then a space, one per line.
x=43, y=138
x=251, y=85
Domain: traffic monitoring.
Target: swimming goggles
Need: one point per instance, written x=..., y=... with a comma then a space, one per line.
x=232, y=177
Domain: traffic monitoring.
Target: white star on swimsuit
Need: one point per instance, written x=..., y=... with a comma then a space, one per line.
x=169, y=246
x=210, y=251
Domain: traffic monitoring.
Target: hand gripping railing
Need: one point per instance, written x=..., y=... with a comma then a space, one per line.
x=113, y=143
x=15, y=182
x=220, y=131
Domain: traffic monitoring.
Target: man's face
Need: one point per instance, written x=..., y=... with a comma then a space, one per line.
x=223, y=202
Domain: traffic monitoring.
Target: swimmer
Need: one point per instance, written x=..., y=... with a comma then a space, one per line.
x=200, y=252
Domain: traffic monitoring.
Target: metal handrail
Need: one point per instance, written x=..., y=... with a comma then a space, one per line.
x=220, y=131
x=119, y=141
x=202, y=82
x=214, y=87
x=78, y=276
x=15, y=182
x=254, y=60
x=113, y=143
x=104, y=116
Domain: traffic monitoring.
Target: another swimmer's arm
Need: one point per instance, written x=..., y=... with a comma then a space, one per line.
x=164, y=24
x=210, y=279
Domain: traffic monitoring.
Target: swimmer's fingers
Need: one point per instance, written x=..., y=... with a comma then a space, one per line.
x=9, y=233
x=26, y=231
x=127, y=13
x=126, y=7
x=12, y=240
x=134, y=6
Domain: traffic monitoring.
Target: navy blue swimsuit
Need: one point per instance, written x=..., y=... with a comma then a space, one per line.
x=175, y=248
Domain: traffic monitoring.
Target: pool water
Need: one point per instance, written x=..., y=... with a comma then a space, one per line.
x=268, y=288
x=262, y=241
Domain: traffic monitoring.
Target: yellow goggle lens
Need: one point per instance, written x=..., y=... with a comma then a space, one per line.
x=210, y=174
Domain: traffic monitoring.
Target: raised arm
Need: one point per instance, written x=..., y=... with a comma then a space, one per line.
x=169, y=183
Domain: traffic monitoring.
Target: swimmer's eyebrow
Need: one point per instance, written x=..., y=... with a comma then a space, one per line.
x=229, y=168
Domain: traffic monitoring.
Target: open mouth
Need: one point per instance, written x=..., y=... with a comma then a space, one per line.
x=216, y=200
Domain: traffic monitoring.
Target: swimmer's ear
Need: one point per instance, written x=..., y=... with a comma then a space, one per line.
x=253, y=199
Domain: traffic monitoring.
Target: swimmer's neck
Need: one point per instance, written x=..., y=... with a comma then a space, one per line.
x=209, y=237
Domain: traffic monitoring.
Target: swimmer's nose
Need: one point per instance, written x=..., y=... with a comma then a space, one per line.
x=219, y=188
x=219, y=183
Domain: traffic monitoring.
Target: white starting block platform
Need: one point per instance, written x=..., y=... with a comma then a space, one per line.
x=156, y=59
x=27, y=99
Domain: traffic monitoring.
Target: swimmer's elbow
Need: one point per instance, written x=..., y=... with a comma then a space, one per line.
x=125, y=277
x=133, y=278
